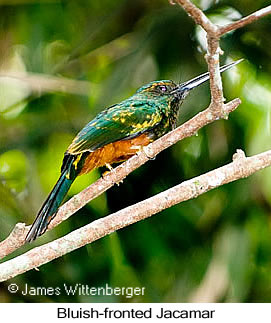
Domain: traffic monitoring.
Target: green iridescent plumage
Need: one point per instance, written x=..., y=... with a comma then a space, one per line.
x=152, y=111
x=141, y=113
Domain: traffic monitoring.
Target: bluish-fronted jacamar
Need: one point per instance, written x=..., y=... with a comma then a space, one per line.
x=115, y=134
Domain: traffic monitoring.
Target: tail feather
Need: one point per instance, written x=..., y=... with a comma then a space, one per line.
x=49, y=207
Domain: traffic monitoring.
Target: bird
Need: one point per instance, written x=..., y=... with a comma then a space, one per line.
x=116, y=134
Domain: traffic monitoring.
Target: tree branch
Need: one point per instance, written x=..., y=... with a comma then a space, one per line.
x=214, y=32
x=199, y=17
x=213, y=52
x=241, y=167
x=17, y=236
x=245, y=21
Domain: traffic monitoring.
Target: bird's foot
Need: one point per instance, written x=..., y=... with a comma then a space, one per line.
x=109, y=166
x=143, y=149
x=119, y=182
x=138, y=149
x=147, y=153
x=111, y=169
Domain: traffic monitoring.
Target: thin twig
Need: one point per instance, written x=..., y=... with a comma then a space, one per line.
x=213, y=52
x=245, y=21
x=214, y=32
x=241, y=167
x=199, y=17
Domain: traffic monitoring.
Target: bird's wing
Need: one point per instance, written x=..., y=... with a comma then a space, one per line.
x=118, y=122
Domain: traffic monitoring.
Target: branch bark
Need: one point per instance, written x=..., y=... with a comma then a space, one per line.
x=241, y=167
x=17, y=236
x=245, y=21
x=199, y=17
x=214, y=32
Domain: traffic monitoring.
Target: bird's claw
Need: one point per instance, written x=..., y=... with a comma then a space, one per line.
x=143, y=149
x=147, y=153
x=111, y=169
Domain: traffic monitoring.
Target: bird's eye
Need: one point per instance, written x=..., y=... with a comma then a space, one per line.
x=162, y=88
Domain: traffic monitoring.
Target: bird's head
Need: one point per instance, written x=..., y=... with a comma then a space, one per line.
x=168, y=91
x=157, y=89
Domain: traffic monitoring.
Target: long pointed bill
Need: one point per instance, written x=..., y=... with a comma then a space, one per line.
x=189, y=85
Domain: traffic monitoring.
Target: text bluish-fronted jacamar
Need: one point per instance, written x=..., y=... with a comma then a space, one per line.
x=116, y=134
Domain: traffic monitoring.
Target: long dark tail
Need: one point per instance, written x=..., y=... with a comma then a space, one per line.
x=49, y=207
x=53, y=201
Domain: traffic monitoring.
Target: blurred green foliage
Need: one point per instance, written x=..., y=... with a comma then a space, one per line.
x=214, y=248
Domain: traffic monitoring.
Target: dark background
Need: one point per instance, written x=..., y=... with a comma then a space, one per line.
x=213, y=248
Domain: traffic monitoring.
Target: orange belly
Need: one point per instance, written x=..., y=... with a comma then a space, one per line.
x=114, y=152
